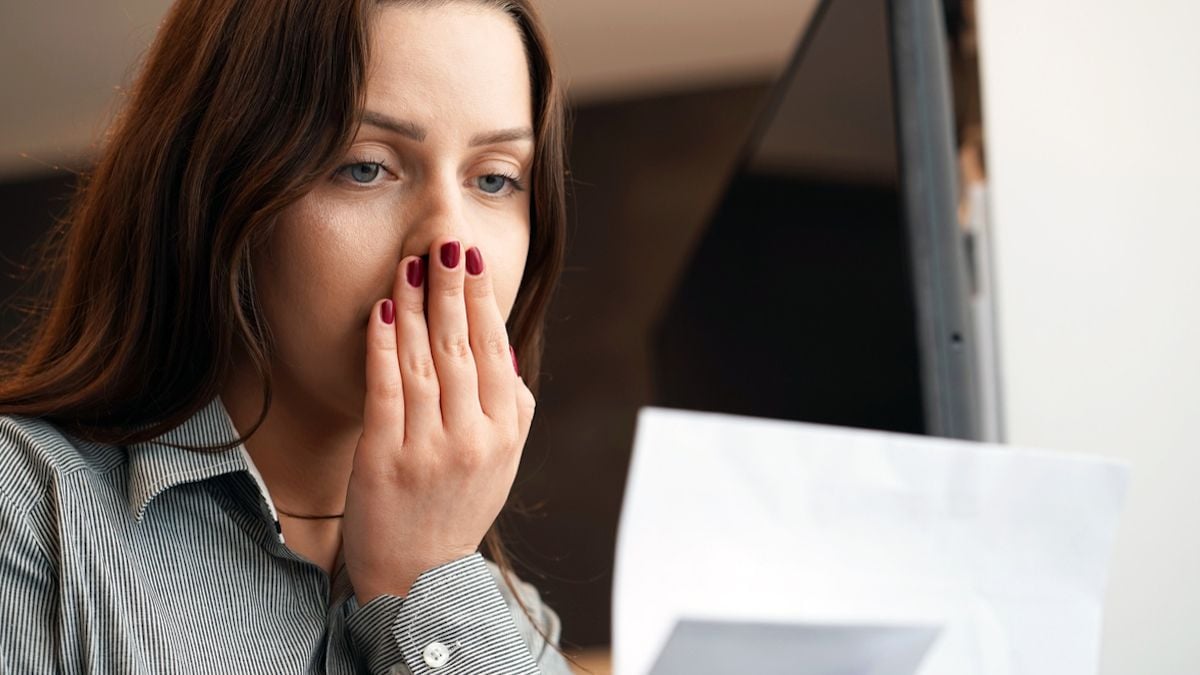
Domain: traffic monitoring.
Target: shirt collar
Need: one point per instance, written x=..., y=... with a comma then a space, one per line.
x=155, y=467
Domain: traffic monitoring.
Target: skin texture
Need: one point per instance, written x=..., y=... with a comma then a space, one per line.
x=414, y=428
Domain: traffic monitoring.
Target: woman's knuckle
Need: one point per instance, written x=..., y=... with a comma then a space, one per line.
x=421, y=366
x=455, y=345
x=478, y=291
x=380, y=469
x=508, y=437
x=383, y=340
x=406, y=476
x=412, y=306
x=493, y=342
x=388, y=390
x=468, y=458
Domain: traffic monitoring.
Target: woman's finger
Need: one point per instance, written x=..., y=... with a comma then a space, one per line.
x=383, y=406
x=489, y=343
x=449, y=337
x=421, y=389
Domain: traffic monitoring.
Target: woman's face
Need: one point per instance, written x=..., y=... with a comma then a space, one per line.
x=445, y=148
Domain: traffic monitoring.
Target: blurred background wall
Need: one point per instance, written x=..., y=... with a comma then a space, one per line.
x=65, y=61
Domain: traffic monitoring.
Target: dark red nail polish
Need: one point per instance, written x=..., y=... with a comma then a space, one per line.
x=513, y=351
x=474, y=261
x=387, y=312
x=450, y=251
x=415, y=273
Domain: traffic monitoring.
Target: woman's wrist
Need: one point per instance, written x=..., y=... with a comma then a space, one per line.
x=400, y=582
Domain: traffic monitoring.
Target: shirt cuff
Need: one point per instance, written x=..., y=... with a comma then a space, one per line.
x=453, y=622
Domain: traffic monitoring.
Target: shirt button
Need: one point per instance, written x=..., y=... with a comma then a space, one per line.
x=436, y=655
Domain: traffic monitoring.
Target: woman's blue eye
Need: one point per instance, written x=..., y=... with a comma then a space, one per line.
x=367, y=171
x=493, y=183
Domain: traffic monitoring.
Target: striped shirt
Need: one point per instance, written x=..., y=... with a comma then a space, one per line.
x=148, y=558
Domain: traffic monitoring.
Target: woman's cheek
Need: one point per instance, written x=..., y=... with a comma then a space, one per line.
x=334, y=258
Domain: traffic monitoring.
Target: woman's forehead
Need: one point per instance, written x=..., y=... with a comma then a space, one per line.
x=449, y=64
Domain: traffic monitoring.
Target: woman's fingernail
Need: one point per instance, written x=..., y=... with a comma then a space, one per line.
x=474, y=261
x=513, y=351
x=414, y=273
x=387, y=311
x=450, y=251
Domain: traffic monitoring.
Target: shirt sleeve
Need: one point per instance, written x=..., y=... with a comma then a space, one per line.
x=28, y=599
x=456, y=620
x=544, y=649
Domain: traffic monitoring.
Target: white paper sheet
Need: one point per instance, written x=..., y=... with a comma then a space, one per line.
x=745, y=519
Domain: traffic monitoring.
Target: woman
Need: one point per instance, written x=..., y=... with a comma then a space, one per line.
x=269, y=410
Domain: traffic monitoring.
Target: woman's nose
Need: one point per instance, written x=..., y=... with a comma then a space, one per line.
x=437, y=214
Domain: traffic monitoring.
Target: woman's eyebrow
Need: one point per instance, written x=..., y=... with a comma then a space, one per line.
x=402, y=127
x=418, y=133
x=502, y=136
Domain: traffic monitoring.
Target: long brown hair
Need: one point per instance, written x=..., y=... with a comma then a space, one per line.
x=239, y=108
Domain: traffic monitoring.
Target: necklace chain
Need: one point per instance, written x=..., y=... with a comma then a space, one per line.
x=309, y=517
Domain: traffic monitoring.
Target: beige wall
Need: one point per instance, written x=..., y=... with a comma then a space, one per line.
x=1091, y=113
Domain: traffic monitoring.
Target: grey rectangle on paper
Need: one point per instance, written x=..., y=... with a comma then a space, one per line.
x=700, y=647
